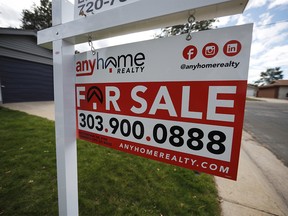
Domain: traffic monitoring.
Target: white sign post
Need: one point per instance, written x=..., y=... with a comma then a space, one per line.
x=64, y=98
x=66, y=32
x=66, y=148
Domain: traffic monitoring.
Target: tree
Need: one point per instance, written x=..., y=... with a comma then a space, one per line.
x=184, y=28
x=39, y=18
x=269, y=76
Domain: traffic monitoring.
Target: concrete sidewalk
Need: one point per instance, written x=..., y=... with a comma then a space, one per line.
x=262, y=185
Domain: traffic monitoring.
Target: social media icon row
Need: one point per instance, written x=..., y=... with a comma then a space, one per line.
x=231, y=48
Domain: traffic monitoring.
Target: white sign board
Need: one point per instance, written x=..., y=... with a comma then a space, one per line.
x=172, y=100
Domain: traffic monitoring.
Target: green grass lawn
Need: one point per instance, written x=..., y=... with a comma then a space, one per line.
x=110, y=182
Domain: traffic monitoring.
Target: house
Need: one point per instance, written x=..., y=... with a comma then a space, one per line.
x=278, y=89
x=26, y=70
x=251, y=90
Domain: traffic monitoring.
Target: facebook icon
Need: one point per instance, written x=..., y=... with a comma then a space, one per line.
x=190, y=52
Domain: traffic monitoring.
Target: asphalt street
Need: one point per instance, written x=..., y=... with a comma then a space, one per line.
x=268, y=124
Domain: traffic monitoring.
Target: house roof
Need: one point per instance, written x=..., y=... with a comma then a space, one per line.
x=277, y=83
x=252, y=86
x=12, y=31
x=22, y=44
x=280, y=83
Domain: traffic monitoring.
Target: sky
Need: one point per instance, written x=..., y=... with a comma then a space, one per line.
x=270, y=35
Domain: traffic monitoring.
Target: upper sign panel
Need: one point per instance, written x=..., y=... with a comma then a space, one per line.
x=132, y=16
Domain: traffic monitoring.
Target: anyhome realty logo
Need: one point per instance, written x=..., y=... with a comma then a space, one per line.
x=121, y=64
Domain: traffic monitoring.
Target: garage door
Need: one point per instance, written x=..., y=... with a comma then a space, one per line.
x=24, y=81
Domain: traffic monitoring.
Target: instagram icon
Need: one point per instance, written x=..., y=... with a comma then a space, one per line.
x=210, y=50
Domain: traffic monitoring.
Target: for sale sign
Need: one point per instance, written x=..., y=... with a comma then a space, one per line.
x=171, y=100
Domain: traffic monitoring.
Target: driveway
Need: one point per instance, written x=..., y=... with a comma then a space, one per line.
x=43, y=108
